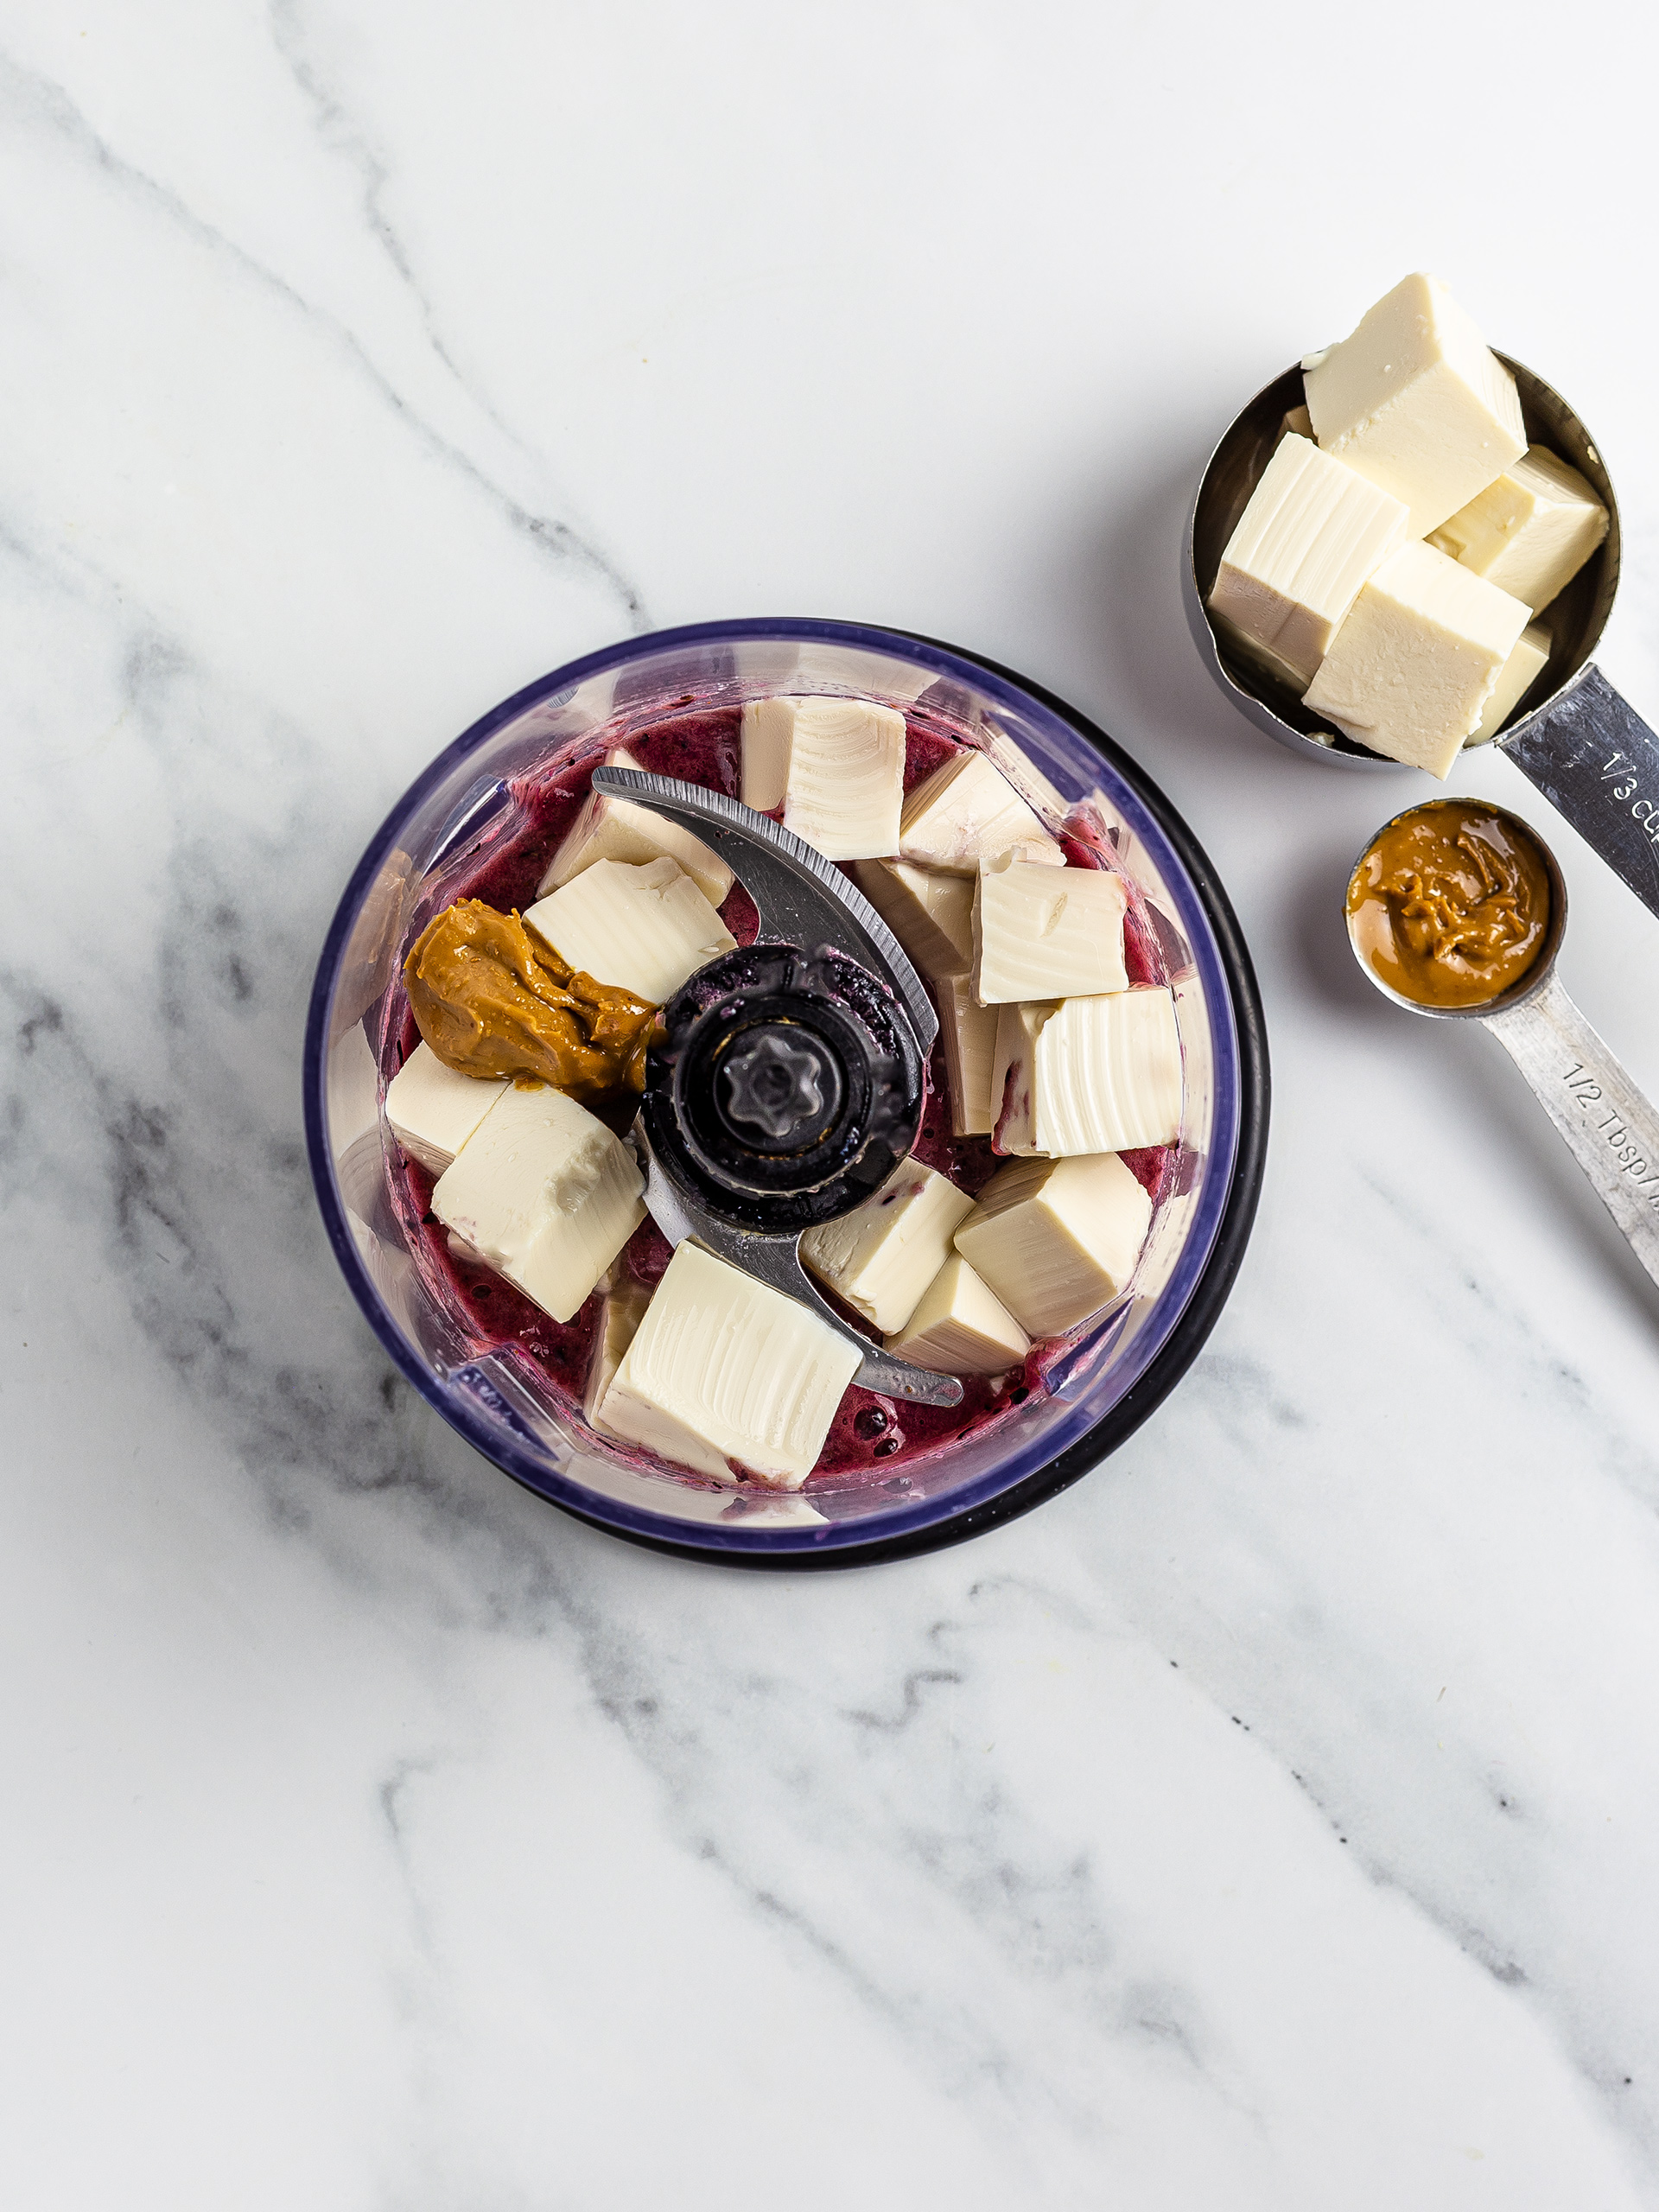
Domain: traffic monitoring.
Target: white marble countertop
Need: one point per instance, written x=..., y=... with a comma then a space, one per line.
x=1268, y=1822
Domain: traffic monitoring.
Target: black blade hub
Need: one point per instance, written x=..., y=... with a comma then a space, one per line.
x=787, y=1088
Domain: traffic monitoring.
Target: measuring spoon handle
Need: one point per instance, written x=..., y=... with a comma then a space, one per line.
x=1596, y=762
x=1611, y=1128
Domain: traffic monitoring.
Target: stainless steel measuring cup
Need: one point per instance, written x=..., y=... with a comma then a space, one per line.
x=1584, y=747
x=1610, y=1129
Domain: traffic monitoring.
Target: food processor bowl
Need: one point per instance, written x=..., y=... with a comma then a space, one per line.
x=1098, y=1385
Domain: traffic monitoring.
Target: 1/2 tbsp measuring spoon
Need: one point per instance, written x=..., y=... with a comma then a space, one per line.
x=1585, y=747
x=1612, y=1130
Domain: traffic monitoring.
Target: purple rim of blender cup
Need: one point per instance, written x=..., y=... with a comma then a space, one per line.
x=927, y=1522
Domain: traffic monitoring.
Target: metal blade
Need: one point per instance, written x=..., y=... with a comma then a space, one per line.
x=801, y=897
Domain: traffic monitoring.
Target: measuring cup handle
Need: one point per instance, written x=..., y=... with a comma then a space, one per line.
x=1595, y=760
x=1611, y=1128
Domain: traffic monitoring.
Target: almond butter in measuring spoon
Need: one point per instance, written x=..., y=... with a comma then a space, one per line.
x=1450, y=904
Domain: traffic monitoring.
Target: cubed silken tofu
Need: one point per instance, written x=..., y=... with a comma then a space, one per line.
x=880, y=1257
x=836, y=767
x=433, y=1110
x=1530, y=531
x=643, y=929
x=1520, y=671
x=967, y=1035
x=1297, y=423
x=965, y=812
x=779, y=1512
x=1088, y=1075
x=1056, y=1239
x=625, y=1301
x=1415, y=401
x=542, y=1193
x=1038, y=852
x=1017, y=769
x=931, y=913
x=724, y=1374
x=1411, y=669
x=766, y=730
x=959, y=1327
x=1311, y=535
x=1046, y=932
x=610, y=828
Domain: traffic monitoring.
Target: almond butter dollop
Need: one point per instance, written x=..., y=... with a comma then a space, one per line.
x=1449, y=905
x=492, y=1000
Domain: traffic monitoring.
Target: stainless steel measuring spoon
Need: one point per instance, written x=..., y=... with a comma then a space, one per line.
x=1610, y=1129
x=1584, y=747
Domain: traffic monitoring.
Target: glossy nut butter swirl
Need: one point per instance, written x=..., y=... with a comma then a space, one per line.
x=492, y=1000
x=1449, y=905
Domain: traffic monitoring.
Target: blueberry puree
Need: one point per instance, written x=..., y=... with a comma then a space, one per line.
x=872, y=1438
x=881, y=1433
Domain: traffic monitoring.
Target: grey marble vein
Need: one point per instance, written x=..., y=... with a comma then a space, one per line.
x=1405, y=1828
x=35, y=99
x=347, y=136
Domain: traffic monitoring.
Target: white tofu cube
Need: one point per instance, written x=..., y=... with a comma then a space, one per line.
x=835, y=765
x=545, y=1194
x=1414, y=400
x=1311, y=535
x=726, y=1368
x=1014, y=1075
x=643, y=928
x=765, y=734
x=432, y=1109
x=1411, y=669
x=1018, y=770
x=931, y=914
x=959, y=1328
x=1088, y=1075
x=777, y=1512
x=967, y=1034
x=1520, y=671
x=965, y=812
x=616, y=829
x=1530, y=531
x=1046, y=933
x=1297, y=423
x=1056, y=1239
x=625, y=1301
x=880, y=1257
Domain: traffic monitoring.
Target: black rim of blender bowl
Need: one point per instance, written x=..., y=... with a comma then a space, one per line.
x=1185, y=1340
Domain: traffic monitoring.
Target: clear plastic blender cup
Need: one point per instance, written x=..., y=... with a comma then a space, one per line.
x=1098, y=1388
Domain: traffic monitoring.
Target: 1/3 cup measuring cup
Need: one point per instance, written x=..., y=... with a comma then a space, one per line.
x=1584, y=747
